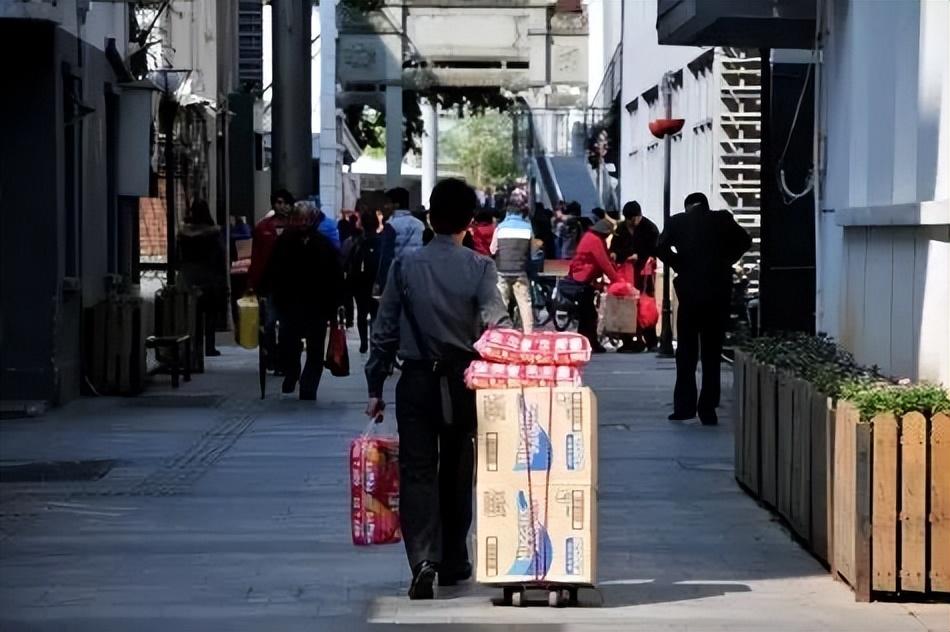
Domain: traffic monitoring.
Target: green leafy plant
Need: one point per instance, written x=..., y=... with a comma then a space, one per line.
x=874, y=398
x=834, y=372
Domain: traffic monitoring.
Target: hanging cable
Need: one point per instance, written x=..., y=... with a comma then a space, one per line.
x=789, y=196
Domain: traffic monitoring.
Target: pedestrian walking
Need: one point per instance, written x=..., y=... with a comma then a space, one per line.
x=570, y=231
x=483, y=230
x=634, y=243
x=360, y=264
x=590, y=263
x=541, y=224
x=701, y=246
x=202, y=265
x=402, y=234
x=511, y=247
x=266, y=232
x=436, y=305
x=305, y=279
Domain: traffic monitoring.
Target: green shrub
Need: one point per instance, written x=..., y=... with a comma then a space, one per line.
x=875, y=398
x=834, y=372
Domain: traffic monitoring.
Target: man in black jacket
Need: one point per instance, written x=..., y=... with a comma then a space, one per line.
x=305, y=277
x=635, y=241
x=701, y=246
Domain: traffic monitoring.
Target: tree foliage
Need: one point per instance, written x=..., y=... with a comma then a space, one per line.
x=482, y=147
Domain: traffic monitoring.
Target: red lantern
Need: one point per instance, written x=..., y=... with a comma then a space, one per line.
x=666, y=127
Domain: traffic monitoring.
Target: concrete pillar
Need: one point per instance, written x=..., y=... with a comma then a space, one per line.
x=291, y=135
x=394, y=134
x=430, y=147
x=330, y=189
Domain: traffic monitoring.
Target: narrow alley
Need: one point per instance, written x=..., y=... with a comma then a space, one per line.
x=206, y=508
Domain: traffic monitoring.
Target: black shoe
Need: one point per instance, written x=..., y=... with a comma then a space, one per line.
x=598, y=349
x=288, y=386
x=308, y=397
x=629, y=349
x=422, y=579
x=455, y=574
x=681, y=416
x=709, y=418
x=364, y=347
x=212, y=353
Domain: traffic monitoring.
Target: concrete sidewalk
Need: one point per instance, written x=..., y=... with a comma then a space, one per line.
x=224, y=512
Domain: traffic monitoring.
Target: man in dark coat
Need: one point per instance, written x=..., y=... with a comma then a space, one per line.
x=701, y=246
x=635, y=242
x=305, y=278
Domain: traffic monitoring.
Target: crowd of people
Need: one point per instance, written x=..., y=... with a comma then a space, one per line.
x=429, y=282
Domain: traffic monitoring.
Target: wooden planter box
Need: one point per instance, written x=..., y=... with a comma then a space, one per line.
x=784, y=449
x=114, y=348
x=176, y=314
x=892, y=503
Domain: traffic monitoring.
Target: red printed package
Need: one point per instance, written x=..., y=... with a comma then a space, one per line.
x=374, y=490
x=500, y=345
x=481, y=374
x=571, y=349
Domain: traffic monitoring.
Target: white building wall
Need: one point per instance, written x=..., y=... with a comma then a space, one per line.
x=884, y=112
x=604, y=29
x=641, y=155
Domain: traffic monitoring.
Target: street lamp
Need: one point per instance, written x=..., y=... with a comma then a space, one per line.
x=169, y=80
x=665, y=128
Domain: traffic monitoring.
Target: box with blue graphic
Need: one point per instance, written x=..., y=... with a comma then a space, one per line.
x=542, y=533
x=549, y=434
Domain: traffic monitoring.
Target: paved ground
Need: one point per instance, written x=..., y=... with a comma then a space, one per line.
x=223, y=512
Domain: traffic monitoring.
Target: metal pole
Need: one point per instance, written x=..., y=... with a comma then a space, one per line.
x=666, y=335
x=291, y=131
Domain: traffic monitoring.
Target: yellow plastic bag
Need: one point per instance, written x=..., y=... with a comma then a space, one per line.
x=249, y=319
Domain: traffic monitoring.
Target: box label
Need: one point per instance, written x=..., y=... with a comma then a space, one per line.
x=534, y=444
x=574, y=555
x=534, y=552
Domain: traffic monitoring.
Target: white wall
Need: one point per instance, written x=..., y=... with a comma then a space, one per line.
x=694, y=152
x=885, y=114
x=644, y=63
x=604, y=28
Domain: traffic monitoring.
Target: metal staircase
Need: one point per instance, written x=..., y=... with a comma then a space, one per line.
x=740, y=140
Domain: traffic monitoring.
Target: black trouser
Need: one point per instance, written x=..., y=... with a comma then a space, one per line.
x=700, y=328
x=587, y=315
x=295, y=327
x=348, y=296
x=269, y=318
x=208, y=312
x=366, y=307
x=436, y=468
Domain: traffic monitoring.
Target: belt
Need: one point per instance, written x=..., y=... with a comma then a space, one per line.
x=445, y=372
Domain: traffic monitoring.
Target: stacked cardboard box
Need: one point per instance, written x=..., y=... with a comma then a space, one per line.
x=536, y=486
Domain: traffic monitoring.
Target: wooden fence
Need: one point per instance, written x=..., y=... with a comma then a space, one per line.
x=115, y=346
x=869, y=499
x=176, y=314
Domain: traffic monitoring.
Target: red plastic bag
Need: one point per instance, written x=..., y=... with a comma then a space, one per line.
x=647, y=314
x=621, y=289
x=338, y=357
x=374, y=490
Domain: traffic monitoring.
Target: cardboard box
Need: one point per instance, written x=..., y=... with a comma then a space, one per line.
x=549, y=534
x=534, y=429
x=620, y=314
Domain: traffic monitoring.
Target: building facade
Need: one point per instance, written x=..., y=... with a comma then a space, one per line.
x=74, y=158
x=878, y=165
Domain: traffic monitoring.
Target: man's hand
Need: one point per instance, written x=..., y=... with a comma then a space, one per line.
x=375, y=408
